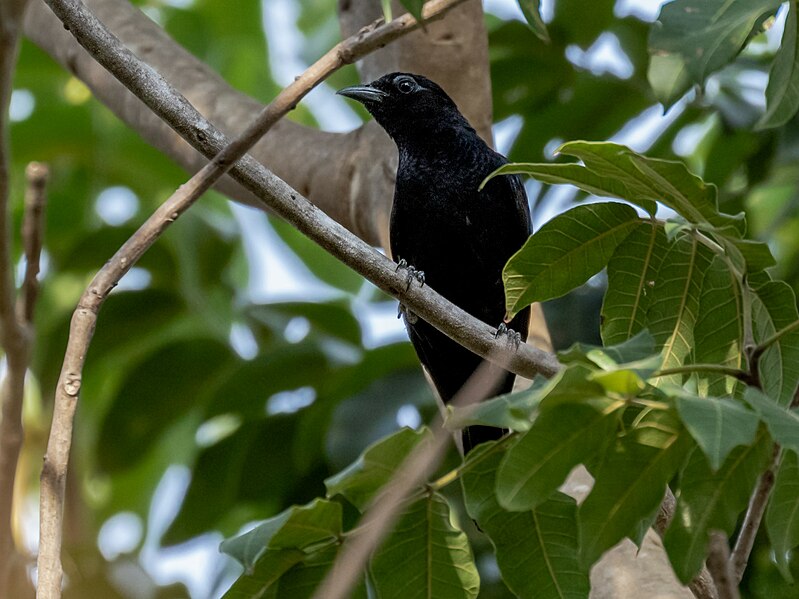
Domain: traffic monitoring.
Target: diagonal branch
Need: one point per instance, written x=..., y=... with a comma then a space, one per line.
x=13, y=334
x=283, y=200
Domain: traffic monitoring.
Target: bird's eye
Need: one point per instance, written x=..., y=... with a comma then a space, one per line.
x=406, y=85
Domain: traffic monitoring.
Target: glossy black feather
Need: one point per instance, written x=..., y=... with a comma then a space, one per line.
x=441, y=224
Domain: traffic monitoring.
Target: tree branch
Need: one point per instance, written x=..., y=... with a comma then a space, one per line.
x=13, y=335
x=32, y=238
x=754, y=514
x=377, y=521
x=718, y=562
x=286, y=202
x=349, y=176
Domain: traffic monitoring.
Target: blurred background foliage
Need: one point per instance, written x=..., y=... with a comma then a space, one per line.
x=215, y=392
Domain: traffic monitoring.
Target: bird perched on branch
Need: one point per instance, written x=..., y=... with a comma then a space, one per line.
x=442, y=226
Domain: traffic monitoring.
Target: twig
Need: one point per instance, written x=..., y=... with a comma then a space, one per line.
x=13, y=335
x=709, y=368
x=754, y=514
x=702, y=586
x=376, y=523
x=155, y=91
x=764, y=345
x=286, y=202
x=718, y=562
x=32, y=238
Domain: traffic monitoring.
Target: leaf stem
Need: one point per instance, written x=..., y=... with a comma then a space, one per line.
x=763, y=346
x=737, y=373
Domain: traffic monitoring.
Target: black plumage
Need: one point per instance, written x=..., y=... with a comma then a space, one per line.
x=441, y=224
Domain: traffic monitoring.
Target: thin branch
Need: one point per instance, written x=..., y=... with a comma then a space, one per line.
x=286, y=202
x=378, y=520
x=718, y=562
x=702, y=586
x=13, y=335
x=280, y=197
x=32, y=238
x=706, y=368
x=764, y=345
x=754, y=515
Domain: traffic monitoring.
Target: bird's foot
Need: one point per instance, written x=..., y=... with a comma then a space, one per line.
x=410, y=317
x=411, y=273
x=514, y=337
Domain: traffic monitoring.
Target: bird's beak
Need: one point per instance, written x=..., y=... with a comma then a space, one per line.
x=365, y=94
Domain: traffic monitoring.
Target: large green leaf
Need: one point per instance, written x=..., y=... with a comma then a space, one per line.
x=303, y=580
x=425, y=557
x=531, y=9
x=259, y=577
x=675, y=303
x=711, y=500
x=224, y=494
x=718, y=425
x=156, y=393
x=414, y=7
x=513, y=411
x=773, y=308
x=565, y=252
x=631, y=277
x=560, y=439
x=536, y=550
x=782, y=93
x=706, y=34
x=614, y=170
x=718, y=333
x=668, y=78
x=782, y=422
x=374, y=468
x=298, y=527
x=782, y=517
x=630, y=483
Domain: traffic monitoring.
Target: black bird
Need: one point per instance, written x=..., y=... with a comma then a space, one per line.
x=442, y=225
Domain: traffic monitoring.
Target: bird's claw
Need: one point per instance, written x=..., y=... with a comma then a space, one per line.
x=410, y=317
x=514, y=337
x=411, y=274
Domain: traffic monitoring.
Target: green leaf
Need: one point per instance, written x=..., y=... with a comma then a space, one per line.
x=675, y=305
x=756, y=254
x=706, y=34
x=614, y=170
x=782, y=422
x=639, y=347
x=536, y=550
x=560, y=439
x=782, y=93
x=773, y=308
x=631, y=278
x=668, y=77
x=258, y=578
x=630, y=483
x=156, y=393
x=414, y=7
x=782, y=517
x=513, y=410
x=532, y=14
x=298, y=527
x=718, y=425
x=711, y=500
x=425, y=557
x=374, y=468
x=302, y=581
x=718, y=333
x=565, y=252
x=572, y=384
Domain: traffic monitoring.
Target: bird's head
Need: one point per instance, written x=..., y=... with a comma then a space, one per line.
x=404, y=103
